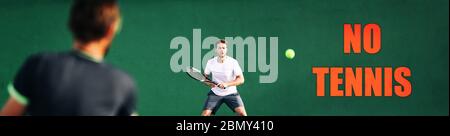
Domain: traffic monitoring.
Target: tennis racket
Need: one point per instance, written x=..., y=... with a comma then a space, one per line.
x=197, y=75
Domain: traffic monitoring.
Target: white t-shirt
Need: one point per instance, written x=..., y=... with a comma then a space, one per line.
x=223, y=72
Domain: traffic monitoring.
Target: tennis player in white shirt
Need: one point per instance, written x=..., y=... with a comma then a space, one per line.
x=226, y=71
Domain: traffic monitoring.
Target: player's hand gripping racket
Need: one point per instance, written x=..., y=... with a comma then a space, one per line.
x=197, y=75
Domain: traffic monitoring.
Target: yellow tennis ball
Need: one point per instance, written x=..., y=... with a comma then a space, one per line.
x=290, y=53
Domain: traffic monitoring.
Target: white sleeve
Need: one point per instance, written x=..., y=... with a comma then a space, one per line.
x=237, y=69
x=207, y=69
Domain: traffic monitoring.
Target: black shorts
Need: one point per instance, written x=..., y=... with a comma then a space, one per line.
x=214, y=101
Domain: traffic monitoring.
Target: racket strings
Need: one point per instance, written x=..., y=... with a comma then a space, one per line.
x=196, y=74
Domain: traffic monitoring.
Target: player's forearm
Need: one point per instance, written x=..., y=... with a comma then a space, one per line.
x=238, y=81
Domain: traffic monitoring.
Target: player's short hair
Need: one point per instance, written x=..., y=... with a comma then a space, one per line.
x=221, y=41
x=90, y=19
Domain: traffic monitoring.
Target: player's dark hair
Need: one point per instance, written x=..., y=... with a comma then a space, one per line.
x=222, y=41
x=90, y=19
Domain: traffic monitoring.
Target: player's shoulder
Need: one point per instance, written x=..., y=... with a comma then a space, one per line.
x=212, y=59
x=120, y=75
x=46, y=56
x=232, y=60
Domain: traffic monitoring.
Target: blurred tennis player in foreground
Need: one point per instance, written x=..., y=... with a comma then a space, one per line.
x=76, y=82
x=228, y=74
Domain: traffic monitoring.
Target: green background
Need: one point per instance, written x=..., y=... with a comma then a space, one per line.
x=414, y=34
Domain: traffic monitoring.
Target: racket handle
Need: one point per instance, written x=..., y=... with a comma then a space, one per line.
x=219, y=87
x=214, y=83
